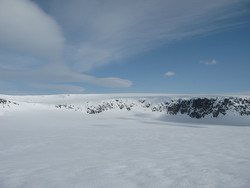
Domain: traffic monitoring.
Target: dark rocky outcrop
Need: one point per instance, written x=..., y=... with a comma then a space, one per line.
x=7, y=103
x=3, y=101
x=201, y=107
x=193, y=107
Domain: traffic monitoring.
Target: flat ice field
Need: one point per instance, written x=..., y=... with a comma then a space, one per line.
x=42, y=146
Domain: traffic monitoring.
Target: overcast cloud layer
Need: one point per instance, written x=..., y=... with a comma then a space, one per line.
x=58, y=41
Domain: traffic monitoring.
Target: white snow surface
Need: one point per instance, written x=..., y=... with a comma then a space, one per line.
x=42, y=146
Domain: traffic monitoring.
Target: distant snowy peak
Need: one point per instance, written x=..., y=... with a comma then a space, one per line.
x=194, y=107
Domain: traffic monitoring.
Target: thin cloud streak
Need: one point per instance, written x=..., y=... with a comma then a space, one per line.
x=212, y=62
x=59, y=73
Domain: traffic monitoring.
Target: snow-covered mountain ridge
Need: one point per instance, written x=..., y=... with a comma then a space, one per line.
x=194, y=107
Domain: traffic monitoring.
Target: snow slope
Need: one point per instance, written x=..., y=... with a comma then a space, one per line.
x=45, y=146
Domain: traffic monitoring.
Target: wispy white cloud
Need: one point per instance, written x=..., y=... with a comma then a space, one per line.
x=212, y=62
x=119, y=29
x=58, y=76
x=86, y=34
x=169, y=74
x=26, y=33
x=26, y=28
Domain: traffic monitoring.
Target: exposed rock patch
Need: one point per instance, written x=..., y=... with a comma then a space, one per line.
x=194, y=107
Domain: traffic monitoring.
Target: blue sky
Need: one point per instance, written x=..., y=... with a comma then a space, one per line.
x=117, y=46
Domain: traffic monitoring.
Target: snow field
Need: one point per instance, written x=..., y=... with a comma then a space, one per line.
x=62, y=148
